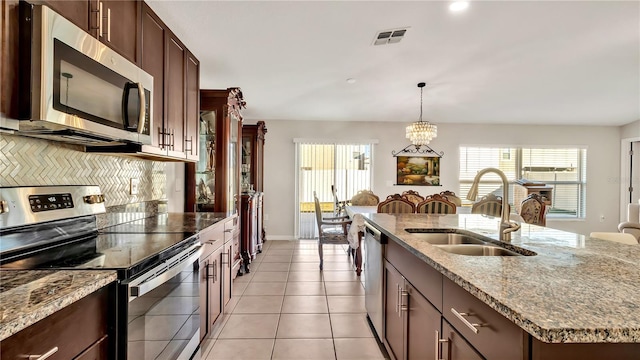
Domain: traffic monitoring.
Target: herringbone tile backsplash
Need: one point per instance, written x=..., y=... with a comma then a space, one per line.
x=26, y=161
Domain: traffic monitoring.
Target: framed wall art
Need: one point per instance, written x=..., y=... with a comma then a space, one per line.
x=418, y=170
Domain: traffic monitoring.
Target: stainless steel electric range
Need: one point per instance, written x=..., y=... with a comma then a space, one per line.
x=54, y=227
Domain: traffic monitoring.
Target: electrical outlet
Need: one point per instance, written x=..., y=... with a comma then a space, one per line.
x=134, y=184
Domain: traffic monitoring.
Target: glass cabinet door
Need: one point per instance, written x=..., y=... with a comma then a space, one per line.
x=232, y=171
x=205, y=169
x=245, y=183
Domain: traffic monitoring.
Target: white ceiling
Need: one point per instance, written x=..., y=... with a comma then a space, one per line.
x=501, y=62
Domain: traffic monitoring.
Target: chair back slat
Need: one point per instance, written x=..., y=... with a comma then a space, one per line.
x=489, y=204
x=436, y=204
x=396, y=204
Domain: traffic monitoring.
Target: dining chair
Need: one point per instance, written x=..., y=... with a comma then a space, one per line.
x=412, y=196
x=331, y=230
x=632, y=224
x=616, y=237
x=365, y=198
x=533, y=210
x=338, y=205
x=396, y=204
x=436, y=204
x=451, y=196
x=489, y=204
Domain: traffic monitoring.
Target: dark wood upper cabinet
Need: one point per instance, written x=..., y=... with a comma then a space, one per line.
x=176, y=74
x=115, y=23
x=175, y=93
x=153, y=62
x=76, y=11
x=119, y=25
x=192, y=144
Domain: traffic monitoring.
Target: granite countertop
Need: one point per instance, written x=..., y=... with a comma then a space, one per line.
x=575, y=290
x=187, y=223
x=28, y=296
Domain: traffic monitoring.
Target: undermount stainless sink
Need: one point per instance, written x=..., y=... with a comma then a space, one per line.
x=447, y=238
x=466, y=243
x=477, y=250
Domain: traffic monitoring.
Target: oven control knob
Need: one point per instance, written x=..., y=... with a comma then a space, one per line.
x=4, y=207
x=94, y=199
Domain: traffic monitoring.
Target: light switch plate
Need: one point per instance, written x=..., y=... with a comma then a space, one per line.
x=134, y=184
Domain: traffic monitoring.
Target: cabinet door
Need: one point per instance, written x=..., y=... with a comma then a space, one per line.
x=394, y=321
x=204, y=298
x=153, y=55
x=215, y=286
x=456, y=347
x=174, y=93
x=422, y=319
x=192, y=118
x=75, y=11
x=119, y=24
x=227, y=267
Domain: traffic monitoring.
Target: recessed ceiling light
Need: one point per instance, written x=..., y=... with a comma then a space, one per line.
x=459, y=6
x=351, y=81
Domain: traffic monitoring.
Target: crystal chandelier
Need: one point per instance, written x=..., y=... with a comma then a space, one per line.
x=421, y=132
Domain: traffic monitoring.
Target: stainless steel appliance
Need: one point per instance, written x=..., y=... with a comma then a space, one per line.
x=157, y=298
x=75, y=89
x=374, y=243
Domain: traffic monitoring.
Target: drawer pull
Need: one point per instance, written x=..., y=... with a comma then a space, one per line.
x=438, y=342
x=228, y=230
x=45, y=355
x=461, y=316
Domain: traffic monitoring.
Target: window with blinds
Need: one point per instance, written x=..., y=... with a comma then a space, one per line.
x=321, y=165
x=562, y=168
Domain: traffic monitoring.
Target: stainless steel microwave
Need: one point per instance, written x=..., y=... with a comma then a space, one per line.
x=75, y=89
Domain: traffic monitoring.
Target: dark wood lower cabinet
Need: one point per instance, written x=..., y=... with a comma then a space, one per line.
x=410, y=317
x=454, y=346
x=81, y=330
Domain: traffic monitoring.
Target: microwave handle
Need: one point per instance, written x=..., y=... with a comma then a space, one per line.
x=141, y=106
x=142, y=110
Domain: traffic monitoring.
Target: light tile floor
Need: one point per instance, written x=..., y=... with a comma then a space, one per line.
x=286, y=308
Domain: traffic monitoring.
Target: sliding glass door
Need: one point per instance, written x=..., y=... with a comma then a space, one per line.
x=321, y=165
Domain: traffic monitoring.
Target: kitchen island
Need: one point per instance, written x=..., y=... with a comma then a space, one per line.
x=574, y=290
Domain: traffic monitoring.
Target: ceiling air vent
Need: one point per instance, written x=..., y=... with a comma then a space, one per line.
x=389, y=36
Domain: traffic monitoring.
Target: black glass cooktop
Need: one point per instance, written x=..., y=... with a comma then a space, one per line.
x=129, y=254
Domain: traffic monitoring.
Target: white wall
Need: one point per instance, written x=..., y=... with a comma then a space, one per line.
x=603, y=163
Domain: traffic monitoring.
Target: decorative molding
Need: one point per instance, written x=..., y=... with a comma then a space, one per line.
x=418, y=150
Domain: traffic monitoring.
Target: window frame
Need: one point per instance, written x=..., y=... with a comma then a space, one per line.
x=580, y=182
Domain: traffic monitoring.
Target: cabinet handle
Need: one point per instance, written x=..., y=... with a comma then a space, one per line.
x=173, y=139
x=190, y=141
x=109, y=24
x=438, y=342
x=229, y=230
x=461, y=316
x=398, y=300
x=100, y=34
x=404, y=306
x=215, y=271
x=43, y=356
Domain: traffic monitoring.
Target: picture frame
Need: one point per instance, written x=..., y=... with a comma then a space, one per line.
x=418, y=170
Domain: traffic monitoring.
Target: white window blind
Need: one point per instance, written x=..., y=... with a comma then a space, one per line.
x=562, y=168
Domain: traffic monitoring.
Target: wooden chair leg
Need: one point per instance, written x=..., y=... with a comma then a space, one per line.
x=358, y=256
x=320, y=253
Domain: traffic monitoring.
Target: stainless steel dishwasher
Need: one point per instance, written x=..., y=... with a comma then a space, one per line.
x=374, y=242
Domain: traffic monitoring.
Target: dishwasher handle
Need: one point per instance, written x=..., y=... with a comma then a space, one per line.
x=374, y=233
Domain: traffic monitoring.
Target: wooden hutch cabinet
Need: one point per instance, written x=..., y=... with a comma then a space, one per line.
x=213, y=183
x=251, y=207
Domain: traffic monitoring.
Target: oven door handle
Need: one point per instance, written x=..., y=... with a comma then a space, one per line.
x=163, y=272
